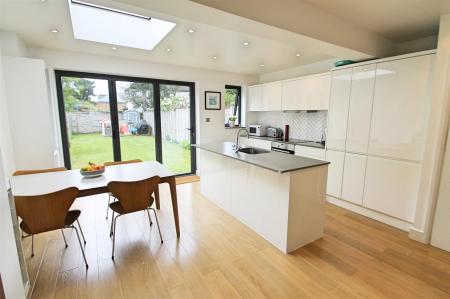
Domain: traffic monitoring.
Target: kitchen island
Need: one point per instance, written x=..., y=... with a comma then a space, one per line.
x=279, y=196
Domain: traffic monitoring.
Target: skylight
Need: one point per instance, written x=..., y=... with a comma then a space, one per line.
x=108, y=25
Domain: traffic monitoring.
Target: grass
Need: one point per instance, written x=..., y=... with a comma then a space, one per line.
x=96, y=148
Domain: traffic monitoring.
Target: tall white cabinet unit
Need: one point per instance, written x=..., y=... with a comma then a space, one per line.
x=341, y=81
x=377, y=122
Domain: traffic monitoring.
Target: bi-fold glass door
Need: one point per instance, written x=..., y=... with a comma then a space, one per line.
x=112, y=118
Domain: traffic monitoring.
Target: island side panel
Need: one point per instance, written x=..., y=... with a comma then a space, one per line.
x=306, y=206
x=255, y=196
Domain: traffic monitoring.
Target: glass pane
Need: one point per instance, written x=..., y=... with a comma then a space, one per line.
x=88, y=117
x=175, y=125
x=231, y=110
x=136, y=120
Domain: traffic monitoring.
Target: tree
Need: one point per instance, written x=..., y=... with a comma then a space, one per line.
x=140, y=95
x=77, y=93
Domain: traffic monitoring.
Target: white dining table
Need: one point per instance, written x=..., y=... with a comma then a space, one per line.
x=43, y=183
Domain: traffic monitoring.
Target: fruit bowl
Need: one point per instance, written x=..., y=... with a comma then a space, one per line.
x=92, y=170
x=92, y=173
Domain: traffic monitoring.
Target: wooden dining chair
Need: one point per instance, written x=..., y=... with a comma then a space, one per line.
x=48, y=212
x=112, y=164
x=132, y=197
x=36, y=171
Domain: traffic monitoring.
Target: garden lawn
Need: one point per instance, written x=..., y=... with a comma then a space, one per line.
x=96, y=148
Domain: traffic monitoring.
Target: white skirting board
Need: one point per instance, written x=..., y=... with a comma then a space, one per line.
x=400, y=224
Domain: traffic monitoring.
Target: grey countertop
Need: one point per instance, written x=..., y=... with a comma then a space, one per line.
x=274, y=161
x=293, y=141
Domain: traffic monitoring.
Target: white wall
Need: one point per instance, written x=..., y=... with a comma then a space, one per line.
x=436, y=134
x=299, y=71
x=9, y=261
x=12, y=45
x=5, y=133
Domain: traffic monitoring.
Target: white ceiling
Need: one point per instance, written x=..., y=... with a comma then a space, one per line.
x=397, y=20
x=34, y=19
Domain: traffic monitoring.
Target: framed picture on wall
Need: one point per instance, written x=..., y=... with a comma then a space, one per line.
x=212, y=100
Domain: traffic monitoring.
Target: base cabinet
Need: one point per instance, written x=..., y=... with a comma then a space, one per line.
x=335, y=170
x=391, y=187
x=353, y=178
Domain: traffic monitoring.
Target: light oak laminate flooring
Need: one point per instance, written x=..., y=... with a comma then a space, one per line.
x=218, y=257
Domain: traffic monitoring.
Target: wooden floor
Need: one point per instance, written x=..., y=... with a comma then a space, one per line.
x=218, y=257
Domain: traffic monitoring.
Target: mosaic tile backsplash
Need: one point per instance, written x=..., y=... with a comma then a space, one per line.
x=302, y=124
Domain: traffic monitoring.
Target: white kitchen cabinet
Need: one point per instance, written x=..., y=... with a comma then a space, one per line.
x=353, y=178
x=255, y=98
x=360, y=108
x=338, y=108
x=391, y=187
x=310, y=93
x=293, y=95
x=335, y=170
x=271, y=97
x=400, y=108
x=310, y=152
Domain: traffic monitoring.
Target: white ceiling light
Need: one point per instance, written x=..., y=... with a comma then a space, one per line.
x=246, y=43
x=106, y=25
x=191, y=31
x=214, y=57
x=168, y=50
x=298, y=54
x=114, y=48
x=54, y=30
x=261, y=65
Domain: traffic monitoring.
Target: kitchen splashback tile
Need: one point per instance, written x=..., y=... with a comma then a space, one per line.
x=302, y=124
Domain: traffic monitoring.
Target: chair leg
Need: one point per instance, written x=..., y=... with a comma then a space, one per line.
x=64, y=237
x=112, y=221
x=114, y=235
x=81, y=231
x=157, y=223
x=149, y=218
x=81, y=246
x=32, y=245
x=107, y=206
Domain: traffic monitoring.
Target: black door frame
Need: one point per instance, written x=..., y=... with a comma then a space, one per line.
x=112, y=79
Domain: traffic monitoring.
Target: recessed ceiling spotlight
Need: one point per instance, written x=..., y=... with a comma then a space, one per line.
x=298, y=54
x=191, y=30
x=43, y=1
x=246, y=43
x=214, y=57
x=168, y=50
x=54, y=30
x=261, y=65
x=114, y=48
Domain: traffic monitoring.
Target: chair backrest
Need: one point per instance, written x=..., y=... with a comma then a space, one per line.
x=122, y=162
x=134, y=196
x=46, y=212
x=24, y=172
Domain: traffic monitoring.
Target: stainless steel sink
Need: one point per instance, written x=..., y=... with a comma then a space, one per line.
x=253, y=150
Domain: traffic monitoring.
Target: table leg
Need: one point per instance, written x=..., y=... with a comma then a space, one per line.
x=158, y=206
x=173, y=194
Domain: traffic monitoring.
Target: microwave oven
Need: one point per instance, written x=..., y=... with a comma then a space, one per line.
x=257, y=130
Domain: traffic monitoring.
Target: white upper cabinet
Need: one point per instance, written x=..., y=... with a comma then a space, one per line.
x=400, y=108
x=271, y=97
x=311, y=93
x=338, y=108
x=293, y=95
x=254, y=98
x=360, y=109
